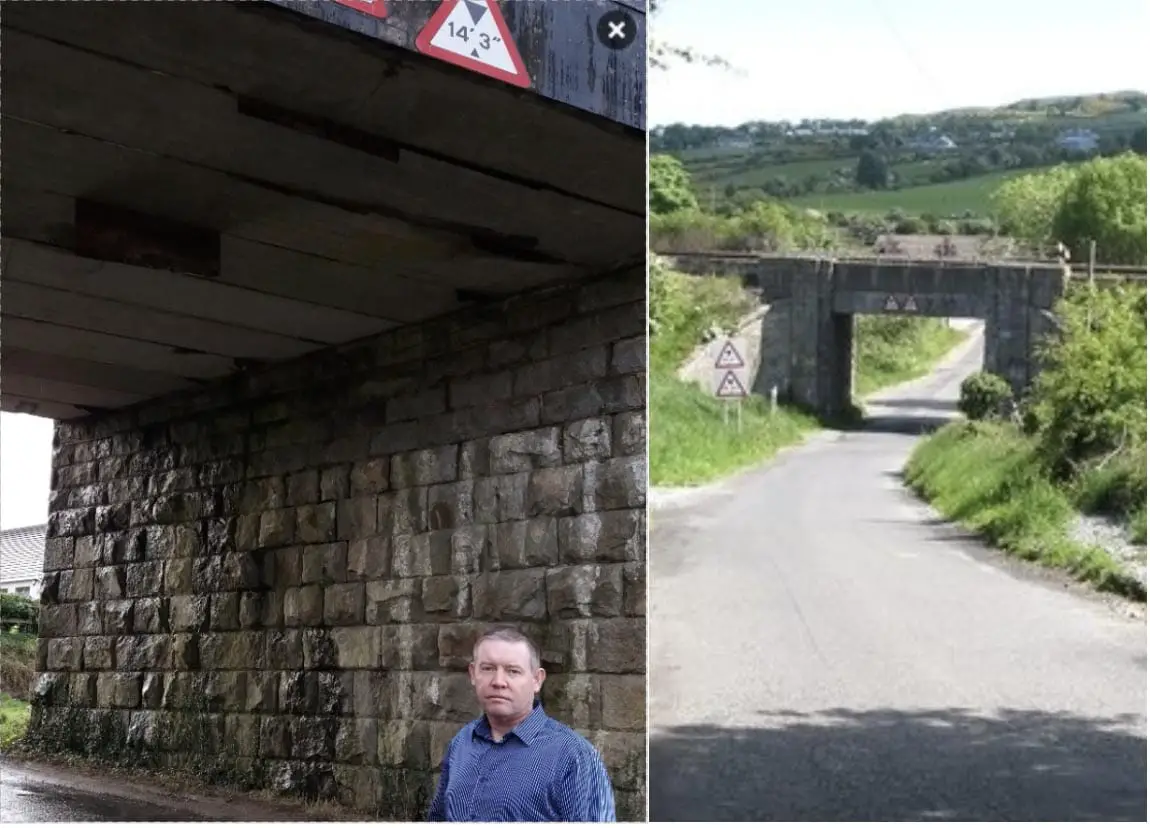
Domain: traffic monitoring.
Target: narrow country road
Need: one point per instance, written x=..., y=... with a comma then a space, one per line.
x=823, y=649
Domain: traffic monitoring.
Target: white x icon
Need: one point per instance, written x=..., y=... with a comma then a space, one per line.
x=616, y=30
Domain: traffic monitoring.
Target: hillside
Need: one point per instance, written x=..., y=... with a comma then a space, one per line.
x=944, y=163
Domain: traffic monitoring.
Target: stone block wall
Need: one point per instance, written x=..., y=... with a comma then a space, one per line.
x=278, y=579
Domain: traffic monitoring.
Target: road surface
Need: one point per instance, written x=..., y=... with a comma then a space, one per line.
x=35, y=792
x=823, y=648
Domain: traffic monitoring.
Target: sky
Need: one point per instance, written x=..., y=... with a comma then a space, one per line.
x=25, y=469
x=872, y=59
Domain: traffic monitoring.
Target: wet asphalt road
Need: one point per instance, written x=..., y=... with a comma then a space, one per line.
x=30, y=796
x=38, y=792
x=823, y=648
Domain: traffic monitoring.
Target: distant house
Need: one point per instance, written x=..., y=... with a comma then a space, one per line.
x=22, y=560
x=1078, y=140
x=735, y=142
x=931, y=142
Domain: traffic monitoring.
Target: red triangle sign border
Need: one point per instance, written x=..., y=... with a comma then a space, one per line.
x=423, y=44
x=375, y=9
x=727, y=352
x=733, y=379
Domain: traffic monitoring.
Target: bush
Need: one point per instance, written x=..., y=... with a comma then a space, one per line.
x=1090, y=399
x=911, y=226
x=17, y=664
x=985, y=396
x=684, y=309
x=1115, y=487
x=762, y=225
x=19, y=612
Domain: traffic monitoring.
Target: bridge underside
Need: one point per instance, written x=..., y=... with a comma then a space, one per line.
x=192, y=190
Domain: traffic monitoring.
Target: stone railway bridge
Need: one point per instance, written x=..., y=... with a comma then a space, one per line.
x=346, y=349
x=807, y=344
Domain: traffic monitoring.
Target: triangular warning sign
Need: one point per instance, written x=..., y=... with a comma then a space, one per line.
x=891, y=304
x=729, y=356
x=730, y=386
x=472, y=34
x=376, y=8
x=910, y=305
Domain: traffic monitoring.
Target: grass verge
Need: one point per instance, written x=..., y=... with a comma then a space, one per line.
x=691, y=443
x=988, y=478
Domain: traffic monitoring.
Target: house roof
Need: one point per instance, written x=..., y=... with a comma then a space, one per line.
x=22, y=553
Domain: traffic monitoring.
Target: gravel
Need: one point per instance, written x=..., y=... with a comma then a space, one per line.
x=1114, y=539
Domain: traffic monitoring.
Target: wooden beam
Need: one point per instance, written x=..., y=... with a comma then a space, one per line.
x=89, y=372
x=191, y=124
x=38, y=264
x=39, y=408
x=49, y=338
x=87, y=313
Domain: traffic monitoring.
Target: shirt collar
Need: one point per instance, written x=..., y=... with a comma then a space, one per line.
x=526, y=731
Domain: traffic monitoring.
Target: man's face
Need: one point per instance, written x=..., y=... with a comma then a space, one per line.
x=503, y=679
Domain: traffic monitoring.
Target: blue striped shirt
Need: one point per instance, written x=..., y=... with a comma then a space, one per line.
x=542, y=771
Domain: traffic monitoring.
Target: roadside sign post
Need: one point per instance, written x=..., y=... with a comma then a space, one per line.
x=731, y=379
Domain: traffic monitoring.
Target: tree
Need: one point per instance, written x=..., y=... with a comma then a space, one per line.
x=1025, y=206
x=670, y=186
x=1138, y=141
x=1106, y=203
x=873, y=172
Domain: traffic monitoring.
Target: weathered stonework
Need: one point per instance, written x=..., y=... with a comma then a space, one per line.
x=279, y=579
x=808, y=331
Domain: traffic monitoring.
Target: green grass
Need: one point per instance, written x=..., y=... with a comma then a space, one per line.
x=692, y=443
x=987, y=477
x=13, y=719
x=952, y=198
x=17, y=667
x=892, y=350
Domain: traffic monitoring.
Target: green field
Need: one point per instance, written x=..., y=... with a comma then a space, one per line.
x=952, y=198
x=741, y=172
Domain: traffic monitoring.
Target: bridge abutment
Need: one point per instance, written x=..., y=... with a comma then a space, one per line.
x=278, y=578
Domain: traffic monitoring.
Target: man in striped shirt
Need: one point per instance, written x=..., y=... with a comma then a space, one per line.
x=515, y=763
